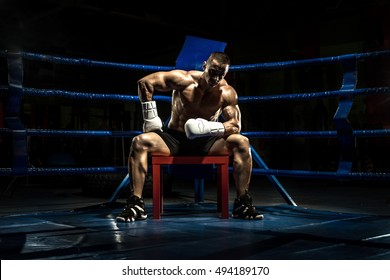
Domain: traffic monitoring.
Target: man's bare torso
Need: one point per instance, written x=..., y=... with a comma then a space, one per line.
x=193, y=101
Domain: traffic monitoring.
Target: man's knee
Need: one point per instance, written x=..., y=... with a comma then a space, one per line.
x=243, y=143
x=139, y=142
x=238, y=143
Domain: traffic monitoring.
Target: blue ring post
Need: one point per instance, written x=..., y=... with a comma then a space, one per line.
x=12, y=113
x=343, y=127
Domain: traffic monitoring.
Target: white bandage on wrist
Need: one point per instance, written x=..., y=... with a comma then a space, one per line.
x=149, y=110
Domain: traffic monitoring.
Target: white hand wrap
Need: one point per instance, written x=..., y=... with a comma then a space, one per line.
x=195, y=128
x=151, y=119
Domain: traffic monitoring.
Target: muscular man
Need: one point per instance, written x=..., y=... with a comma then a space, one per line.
x=198, y=99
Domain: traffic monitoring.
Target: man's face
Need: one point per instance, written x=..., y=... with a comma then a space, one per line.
x=215, y=72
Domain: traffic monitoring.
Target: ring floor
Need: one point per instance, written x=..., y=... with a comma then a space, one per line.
x=55, y=219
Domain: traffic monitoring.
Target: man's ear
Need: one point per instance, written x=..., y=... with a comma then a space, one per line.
x=204, y=65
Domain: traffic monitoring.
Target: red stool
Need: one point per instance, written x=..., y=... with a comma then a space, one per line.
x=222, y=163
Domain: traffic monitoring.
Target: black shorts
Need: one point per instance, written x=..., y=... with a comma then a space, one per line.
x=179, y=144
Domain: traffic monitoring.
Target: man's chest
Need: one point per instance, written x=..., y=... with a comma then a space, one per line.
x=197, y=99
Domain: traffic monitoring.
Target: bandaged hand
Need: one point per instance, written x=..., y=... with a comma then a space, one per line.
x=151, y=119
x=195, y=128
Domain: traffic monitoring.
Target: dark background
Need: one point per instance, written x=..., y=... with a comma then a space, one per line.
x=153, y=33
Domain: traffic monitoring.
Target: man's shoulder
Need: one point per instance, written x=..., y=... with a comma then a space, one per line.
x=194, y=73
x=226, y=88
x=191, y=74
x=229, y=93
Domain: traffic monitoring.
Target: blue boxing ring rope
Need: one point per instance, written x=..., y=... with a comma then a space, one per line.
x=344, y=133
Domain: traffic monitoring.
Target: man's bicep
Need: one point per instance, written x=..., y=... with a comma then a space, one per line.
x=232, y=114
x=231, y=111
x=160, y=81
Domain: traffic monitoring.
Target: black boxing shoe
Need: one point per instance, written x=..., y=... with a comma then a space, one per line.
x=243, y=209
x=134, y=210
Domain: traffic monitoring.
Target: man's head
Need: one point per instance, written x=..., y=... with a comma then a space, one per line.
x=216, y=67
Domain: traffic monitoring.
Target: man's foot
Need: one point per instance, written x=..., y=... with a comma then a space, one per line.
x=243, y=209
x=134, y=210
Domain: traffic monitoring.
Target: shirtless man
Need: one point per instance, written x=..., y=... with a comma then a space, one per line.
x=198, y=99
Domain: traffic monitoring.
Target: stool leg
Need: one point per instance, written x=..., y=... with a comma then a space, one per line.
x=161, y=189
x=156, y=174
x=223, y=200
x=219, y=193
